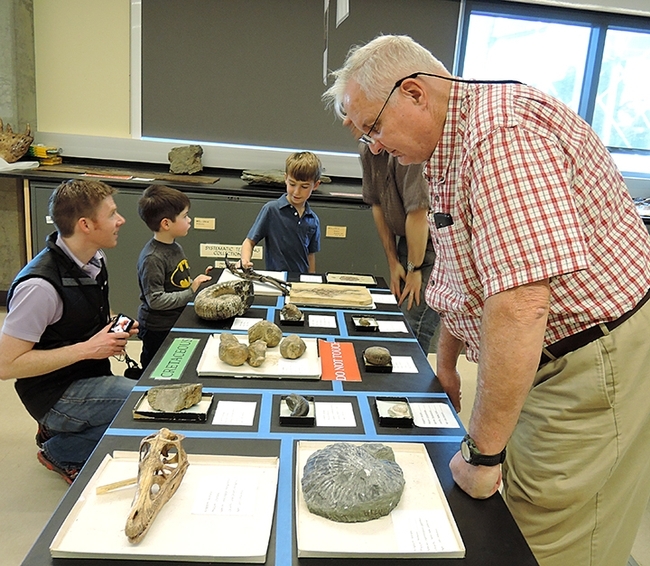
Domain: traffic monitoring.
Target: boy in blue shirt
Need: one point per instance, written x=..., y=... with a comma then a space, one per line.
x=289, y=226
x=163, y=271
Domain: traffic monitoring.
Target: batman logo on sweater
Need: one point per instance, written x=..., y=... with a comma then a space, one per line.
x=181, y=276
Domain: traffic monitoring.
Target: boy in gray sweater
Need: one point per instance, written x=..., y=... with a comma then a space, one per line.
x=163, y=271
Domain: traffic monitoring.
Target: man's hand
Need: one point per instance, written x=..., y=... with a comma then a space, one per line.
x=105, y=344
x=199, y=280
x=397, y=275
x=480, y=482
x=412, y=288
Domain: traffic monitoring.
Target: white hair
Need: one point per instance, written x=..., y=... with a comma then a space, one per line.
x=376, y=66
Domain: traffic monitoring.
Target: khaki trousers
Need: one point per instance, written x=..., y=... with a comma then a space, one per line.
x=577, y=472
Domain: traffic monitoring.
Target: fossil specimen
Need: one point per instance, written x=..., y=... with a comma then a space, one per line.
x=350, y=484
x=378, y=355
x=224, y=300
x=292, y=347
x=231, y=350
x=267, y=331
x=298, y=405
x=291, y=312
x=257, y=353
x=163, y=463
x=175, y=397
x=14, y=146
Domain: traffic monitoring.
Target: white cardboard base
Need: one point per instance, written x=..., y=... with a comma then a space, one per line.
x=222, y=512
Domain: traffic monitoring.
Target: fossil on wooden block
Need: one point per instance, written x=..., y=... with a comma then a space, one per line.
x=267, y=331
x=224, y=300
x=350, y=484
x=175, y=397
x=292, y=347
x=162, y=466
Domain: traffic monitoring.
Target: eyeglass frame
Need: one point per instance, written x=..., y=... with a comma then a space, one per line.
x=367, y=139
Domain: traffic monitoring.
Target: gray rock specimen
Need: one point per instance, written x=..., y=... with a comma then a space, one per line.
x=292, y=347
x=256, y=353
x=224, y=300
x=231, y=350
x=267, y=331
x=185, y=159
x=291, y=312
x=272, y=177
x=298, y=405
x=175, y=397
x=378, y=355
x=351, y=484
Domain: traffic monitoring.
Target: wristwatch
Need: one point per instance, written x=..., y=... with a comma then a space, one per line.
x=410, y=267
x=472, y=455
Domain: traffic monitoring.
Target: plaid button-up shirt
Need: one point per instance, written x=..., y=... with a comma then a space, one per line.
x=534, y=195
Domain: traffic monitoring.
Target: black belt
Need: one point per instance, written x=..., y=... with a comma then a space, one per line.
x=584, y=337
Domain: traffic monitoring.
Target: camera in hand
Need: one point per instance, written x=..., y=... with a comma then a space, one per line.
x=122, y=323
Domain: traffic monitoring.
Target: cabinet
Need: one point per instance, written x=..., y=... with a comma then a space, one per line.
x=360, y=251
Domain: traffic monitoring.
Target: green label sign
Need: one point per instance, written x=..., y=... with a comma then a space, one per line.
x=176, y=357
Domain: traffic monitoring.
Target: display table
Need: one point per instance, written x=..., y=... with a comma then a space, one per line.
x=488, y=531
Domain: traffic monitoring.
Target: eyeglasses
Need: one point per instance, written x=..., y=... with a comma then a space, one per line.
x=367, y=138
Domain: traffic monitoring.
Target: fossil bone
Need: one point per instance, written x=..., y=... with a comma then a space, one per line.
x=163, y=463
x=14, y=146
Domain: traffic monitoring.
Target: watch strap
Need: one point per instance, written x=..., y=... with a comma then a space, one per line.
x=472, y=455
x=411, y=267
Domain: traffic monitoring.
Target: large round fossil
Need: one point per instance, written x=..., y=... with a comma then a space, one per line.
x=350, y=484
x=224, y=300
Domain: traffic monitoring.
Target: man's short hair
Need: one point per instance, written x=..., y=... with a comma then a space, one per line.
x=159, y=202
x=304, y=166
x=75, y=199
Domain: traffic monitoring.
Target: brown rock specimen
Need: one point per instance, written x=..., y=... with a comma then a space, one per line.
x=257, y=353
x=267, y=331
x=231, y=350
x=291, y=312
x=185, y=159
x=14, y=146
x=175, y=397
x=378, y=355
x=162, y=466
x=292, y=347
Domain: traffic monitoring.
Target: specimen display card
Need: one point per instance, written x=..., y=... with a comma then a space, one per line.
x=306, y=366
x=259, y=288
x=234, y=413
x=403, y=364
x=240, y=323
x=421, y=526
x=384, y=298
x=222, y=512
x=335, y=414
x=322, y=321
x=433, y=415
x=304, y=278
x=392, y=326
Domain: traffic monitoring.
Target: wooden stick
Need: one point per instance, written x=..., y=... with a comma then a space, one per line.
x=102, y=489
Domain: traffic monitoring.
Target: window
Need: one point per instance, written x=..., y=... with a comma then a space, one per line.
x=596, y=63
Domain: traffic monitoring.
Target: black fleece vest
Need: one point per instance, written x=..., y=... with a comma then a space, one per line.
x=85, y=312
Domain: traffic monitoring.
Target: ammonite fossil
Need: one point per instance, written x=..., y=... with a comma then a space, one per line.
x=350, y=484
x=224, y=300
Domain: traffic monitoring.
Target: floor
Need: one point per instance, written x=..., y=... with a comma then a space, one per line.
x=30, y=493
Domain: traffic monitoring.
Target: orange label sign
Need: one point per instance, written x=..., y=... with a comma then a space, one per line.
x=339, y=361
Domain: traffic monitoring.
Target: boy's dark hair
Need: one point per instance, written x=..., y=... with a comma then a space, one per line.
x=75, y=199
x=303, y=166
x=158, y=202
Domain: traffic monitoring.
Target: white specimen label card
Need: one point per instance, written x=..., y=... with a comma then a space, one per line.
x=433, y=415
x=322, y=321
x=384, y=298
x=243, y=323
x=392, y=326
x=293, y=367
x=335, y=414
x=237, y=413
x=423, y=531
x=403, y=364
x=311, y=278
x=231, y=492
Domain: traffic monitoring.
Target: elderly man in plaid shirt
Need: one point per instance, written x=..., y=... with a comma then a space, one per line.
x=542, y=275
